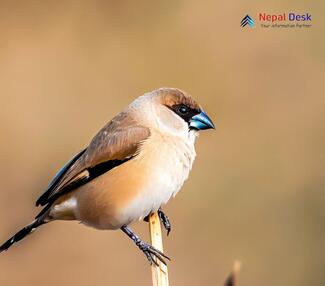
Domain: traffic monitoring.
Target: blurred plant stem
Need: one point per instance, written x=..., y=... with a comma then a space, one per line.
x=232, y=278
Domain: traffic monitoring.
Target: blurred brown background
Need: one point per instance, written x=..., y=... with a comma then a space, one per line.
x=256, y=192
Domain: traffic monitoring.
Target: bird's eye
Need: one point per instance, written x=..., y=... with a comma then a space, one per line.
x=183, y=109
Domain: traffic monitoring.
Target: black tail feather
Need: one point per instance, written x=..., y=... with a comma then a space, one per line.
x=21, y=234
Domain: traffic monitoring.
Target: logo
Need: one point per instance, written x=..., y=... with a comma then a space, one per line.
x=279, y=20
x=247, y=20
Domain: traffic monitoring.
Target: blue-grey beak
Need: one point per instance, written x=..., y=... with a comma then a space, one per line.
x=201, y=121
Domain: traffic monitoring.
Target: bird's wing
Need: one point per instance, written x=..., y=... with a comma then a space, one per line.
x=116, y=143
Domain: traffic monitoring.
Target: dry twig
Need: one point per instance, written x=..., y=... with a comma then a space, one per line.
x=159, y=274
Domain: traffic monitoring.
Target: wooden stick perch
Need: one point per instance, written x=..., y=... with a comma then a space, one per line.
x=159, y=274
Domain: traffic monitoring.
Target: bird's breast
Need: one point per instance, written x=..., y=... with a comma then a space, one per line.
x=132, y=190
x=164, y=164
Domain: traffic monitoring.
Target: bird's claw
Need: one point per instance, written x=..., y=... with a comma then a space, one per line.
x=152, y=253
x=165, y=221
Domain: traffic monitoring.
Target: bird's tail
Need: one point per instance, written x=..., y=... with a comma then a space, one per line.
x=22, y=233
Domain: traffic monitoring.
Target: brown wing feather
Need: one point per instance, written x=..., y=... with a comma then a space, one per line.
x=117, y=141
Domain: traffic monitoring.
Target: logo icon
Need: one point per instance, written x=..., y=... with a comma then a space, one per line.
x=247, y=20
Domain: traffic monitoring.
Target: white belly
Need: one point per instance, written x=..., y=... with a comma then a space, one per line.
x=169, y=169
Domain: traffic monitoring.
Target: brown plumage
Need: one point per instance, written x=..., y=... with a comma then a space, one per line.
x=174, y=97
x=118, y=140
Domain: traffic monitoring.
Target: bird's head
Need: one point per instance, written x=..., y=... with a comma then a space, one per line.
x=173, y=111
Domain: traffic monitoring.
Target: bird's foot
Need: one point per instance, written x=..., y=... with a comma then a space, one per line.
x=164, y=220
x=152, y=253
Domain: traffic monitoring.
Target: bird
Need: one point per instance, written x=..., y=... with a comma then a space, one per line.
x=130, y=169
